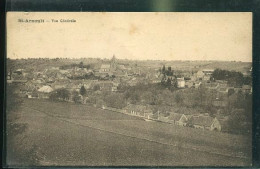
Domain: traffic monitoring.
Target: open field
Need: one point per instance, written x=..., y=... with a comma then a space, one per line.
x=71, y=134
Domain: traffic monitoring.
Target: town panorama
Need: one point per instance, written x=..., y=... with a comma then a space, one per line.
x=119, y=112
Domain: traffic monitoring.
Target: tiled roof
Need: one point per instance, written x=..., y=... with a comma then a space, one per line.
x=202, y=120
x=105, y=66
x=45, y=89
x=175, y=116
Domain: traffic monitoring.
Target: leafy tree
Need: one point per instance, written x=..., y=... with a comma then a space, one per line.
x=75, y=96
x=88, y=66
x=134, y=98
x=169, y=72
x=83, y=91
x=168, y=82
x=96, y=88
x=232, y=77
x=81, y=65
x=163, y=69
x=115, y=100
x=60, y=94
x=169, y=69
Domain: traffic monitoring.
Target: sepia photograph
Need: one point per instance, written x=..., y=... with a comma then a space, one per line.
x=129, y=89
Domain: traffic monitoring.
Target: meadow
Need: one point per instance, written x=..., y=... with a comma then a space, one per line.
x=70, y=134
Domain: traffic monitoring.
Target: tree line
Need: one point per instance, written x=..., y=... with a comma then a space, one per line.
x=232, y=77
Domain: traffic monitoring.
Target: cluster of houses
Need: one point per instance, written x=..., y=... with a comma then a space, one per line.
x=198, y=121
x=107, y=77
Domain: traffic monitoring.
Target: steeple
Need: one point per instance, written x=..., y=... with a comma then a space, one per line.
x=113, y=62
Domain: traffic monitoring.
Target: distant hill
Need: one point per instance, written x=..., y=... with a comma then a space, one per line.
x=40, y=64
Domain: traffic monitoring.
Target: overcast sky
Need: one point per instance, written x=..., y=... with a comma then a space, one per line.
x=160, y=36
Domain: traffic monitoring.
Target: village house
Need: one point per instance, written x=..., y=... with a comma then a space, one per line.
x=197, y=84
x=211, y=85
x=44, y=92
x=246, y=88
x=205, y=122
x=58, y=85
x=204, y=74
x=32, y=94
x=105, y=85
x=163, y=118
x=105, y=68
x=181, y=82
x=178, y=119
x=189, y=84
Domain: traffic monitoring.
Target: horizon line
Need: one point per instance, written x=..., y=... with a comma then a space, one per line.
x=125, y=59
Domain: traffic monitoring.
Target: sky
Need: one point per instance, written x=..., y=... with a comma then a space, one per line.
x=138, y=36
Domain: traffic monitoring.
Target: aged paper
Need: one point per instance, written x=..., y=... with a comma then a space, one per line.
x=129, y=89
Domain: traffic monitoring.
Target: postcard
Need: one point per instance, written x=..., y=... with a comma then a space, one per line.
x=129, y=89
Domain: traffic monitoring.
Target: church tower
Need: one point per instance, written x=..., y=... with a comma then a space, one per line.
x=113, y=63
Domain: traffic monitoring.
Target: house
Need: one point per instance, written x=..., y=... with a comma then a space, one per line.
x=205, y=74
x=19, y=81
x=208, y=71
x=246, y=88
x=223, y=90
x=212, y=86
x=120, y=73
x=163, y=119
x=32, y=95
x=107, y=86
x=105, y=68
x=197, y=84
x=44, y=92
x=205, y=122
x=58, y=85
x=19, y=71
x=178, y=119
x=181, y=82
x=121, y=67
x=148, y=116
x=189, y=84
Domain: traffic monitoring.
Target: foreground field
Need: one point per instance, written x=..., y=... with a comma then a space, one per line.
x=68, y=134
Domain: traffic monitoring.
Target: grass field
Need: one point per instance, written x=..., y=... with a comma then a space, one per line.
x=68, y=134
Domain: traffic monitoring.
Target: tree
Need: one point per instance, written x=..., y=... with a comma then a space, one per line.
x=232, y=77
x=163, y=69
x=81, y=65
x=168, y=82
x=88, y=66
x=96, y=88
x=60, y=94
x=82, y=91
x=169, y=69
x=115, y=100
x=75, y=96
